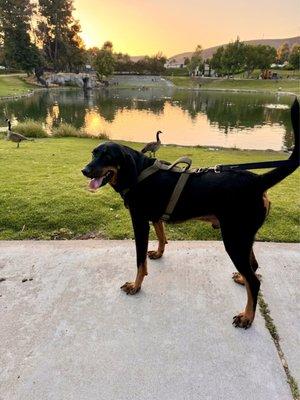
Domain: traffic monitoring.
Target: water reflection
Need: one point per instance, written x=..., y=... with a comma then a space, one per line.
x=242, y=120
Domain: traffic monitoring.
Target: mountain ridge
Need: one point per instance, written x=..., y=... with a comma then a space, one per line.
x=208, y=53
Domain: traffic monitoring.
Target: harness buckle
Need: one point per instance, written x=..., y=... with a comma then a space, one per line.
x=217, y=169
x=165, y=217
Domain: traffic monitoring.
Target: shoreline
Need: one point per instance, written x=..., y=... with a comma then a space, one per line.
x=212, y=148
x=258, y=91
x=32, y=91
x=252, y=91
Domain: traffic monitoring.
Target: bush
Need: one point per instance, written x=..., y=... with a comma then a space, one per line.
x=67, y=130
x=102, y=136
x=31, y=128
x=176, y=72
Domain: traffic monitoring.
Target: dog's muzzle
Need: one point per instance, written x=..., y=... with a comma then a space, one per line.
x=86, y=172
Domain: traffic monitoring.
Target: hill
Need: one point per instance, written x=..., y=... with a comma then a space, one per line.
x=207, y=53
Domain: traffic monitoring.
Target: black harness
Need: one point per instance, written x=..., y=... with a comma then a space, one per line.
x=186, y=172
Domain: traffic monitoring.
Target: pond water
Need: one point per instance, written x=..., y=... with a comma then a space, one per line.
x=241, y=120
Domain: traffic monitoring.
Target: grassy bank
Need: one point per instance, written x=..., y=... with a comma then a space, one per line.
x=283, y=85
x=44, y=195
x=13, y=86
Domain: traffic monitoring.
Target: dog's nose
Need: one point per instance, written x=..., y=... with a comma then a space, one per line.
x=86, y=171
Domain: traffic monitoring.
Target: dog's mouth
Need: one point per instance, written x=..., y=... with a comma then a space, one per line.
x=96, y=183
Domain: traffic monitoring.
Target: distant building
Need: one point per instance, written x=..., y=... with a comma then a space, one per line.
x=173, y=63
x=208, y=72
x=279, y=65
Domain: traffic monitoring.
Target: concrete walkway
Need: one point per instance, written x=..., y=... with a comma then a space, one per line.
x=71, y=334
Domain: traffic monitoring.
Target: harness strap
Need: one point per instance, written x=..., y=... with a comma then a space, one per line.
x=175, y=196
x=159, y=165
x=149, y=171
x=257, y=165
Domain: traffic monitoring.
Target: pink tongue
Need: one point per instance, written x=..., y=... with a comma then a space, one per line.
x=96, y=183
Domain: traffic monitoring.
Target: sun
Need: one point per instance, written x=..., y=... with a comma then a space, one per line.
x=88, y=41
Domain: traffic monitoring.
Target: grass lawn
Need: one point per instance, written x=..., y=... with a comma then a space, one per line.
x=13, y=86
x=284, y=73
x=44, y=195
x=238, y=84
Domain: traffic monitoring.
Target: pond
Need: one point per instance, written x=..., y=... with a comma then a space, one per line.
x=240, y=120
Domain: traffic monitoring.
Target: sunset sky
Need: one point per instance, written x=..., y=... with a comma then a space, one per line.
x=140, y=27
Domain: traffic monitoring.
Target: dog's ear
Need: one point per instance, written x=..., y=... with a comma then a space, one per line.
x=127, y=173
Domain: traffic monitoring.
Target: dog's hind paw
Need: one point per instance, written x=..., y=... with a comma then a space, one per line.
x=242, y=321
x=238, y=278
x=130, y=288
x=154, y=254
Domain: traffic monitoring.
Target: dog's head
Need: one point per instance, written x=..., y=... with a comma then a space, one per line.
x=112, y=163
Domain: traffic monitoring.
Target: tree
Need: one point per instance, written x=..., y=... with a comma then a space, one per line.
x=186, y=61
x=156, y=63
x=58, y=33
x=216, y=61
x=294, y=58
x=259, y=56
x=283, y=53
x=150, y=64
x=196, y=61
x=18, y=50
x=104, y=61
x=230, y=59
x=251, y=57
x=123, y=62
x=266, y=55
x=233, y=58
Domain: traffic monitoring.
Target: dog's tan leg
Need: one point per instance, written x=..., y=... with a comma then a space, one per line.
x=162, y=240
x=238, y=278
x=134, y=287
x=141, y=235
x=245, y=318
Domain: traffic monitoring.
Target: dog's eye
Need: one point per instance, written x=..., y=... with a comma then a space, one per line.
x=108, y=157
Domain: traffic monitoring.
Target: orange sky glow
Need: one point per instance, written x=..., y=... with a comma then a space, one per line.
x=140, y=27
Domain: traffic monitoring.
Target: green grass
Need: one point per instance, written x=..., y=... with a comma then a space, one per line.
x=44, y=195
x=284, y=73
x=287, y=85
x=30, y=128
x=13, y=86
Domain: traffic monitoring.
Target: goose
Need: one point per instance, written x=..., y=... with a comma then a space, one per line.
x=152, y=147
x=14, y=136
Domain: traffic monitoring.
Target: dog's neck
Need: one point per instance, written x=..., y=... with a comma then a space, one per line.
x=140, y=162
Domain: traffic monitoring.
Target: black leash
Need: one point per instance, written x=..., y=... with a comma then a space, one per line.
x=254, y=165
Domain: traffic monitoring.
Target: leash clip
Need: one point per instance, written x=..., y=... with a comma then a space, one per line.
x=217, y=169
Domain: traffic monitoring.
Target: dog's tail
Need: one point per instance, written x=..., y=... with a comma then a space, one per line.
x=278, y=174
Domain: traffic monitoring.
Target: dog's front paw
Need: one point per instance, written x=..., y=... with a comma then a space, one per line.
x=242, y=320
x=154, y=254
x=130, y=288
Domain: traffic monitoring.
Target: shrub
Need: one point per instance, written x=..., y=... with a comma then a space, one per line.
x=102, y=136
x=67, y=130
x=30, y=128
x=176, y=72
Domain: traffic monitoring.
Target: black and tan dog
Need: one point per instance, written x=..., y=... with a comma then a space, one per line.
x=234, y=199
